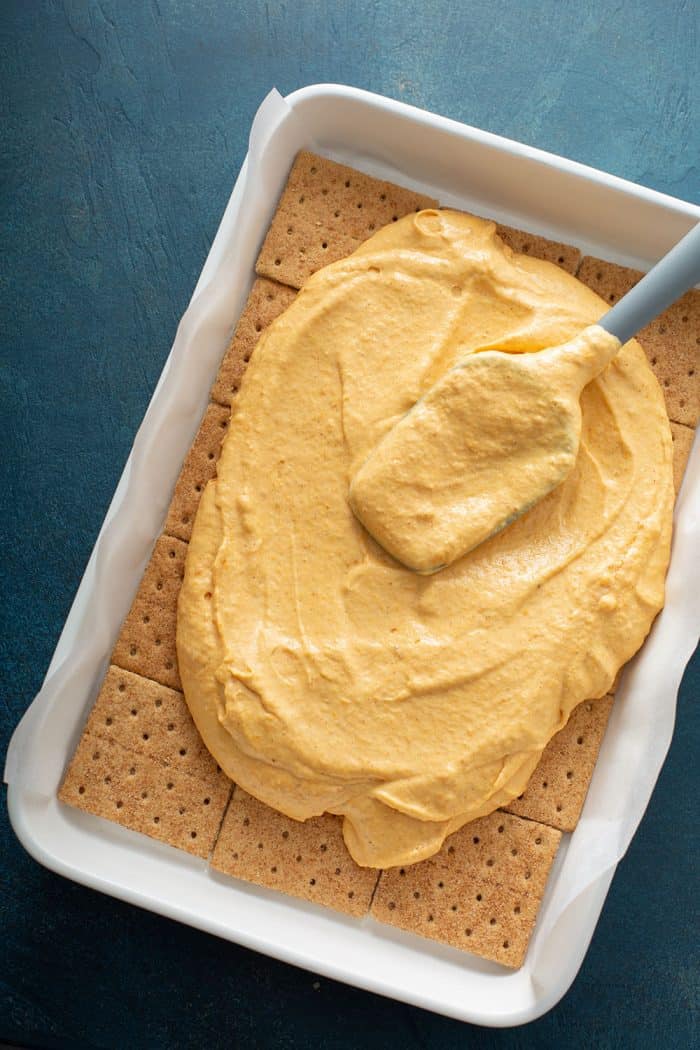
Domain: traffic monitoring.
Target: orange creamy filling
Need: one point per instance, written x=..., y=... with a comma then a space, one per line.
x=323, y=674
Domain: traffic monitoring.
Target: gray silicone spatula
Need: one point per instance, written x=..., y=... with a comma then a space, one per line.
x=498, y=432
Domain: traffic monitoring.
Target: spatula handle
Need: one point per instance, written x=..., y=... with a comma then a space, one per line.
x=673, y=275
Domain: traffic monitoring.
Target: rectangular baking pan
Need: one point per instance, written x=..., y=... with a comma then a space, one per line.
x=466, y=168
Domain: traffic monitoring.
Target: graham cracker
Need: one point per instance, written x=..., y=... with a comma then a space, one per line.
x=307, y=860
x=150, y=719
x=140, y=793
x=199, y=467
x=682, y=444
x=146, y=642
x=480, y=893
x=563, y=255
x=557, y=789
x=267, y=300
x=671, y=341
x=325, y=212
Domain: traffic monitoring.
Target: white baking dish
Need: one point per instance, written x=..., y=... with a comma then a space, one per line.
x=489, y=175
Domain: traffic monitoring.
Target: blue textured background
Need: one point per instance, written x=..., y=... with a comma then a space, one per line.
x=123, y=126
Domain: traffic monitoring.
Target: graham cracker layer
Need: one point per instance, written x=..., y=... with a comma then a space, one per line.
x=326, y=211
x=458, y=891
x=307, y=860
x=146, y=642
x=682, y=444
x=140, y=793
x=481, y=892
x=199, y=467
x=557, y=789
x=563, y=255
x=671, y=342
x=267, y=300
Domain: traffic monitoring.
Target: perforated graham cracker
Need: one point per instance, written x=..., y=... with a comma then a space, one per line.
x=307, y=860
x=563, y=255
x=671, y=342
x=326, y=211
x=267, y=300
x=146, y=642
x=141, y=793
x=150, y=719
x=199, y=467
x=481, y=892
x=682, y=444
x=557, y=789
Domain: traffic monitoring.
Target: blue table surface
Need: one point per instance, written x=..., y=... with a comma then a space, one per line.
x=124, y=124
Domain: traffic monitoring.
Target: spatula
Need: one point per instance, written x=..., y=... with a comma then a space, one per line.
x=497, y=432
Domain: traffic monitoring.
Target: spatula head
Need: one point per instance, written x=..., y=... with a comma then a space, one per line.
x=488, y=440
